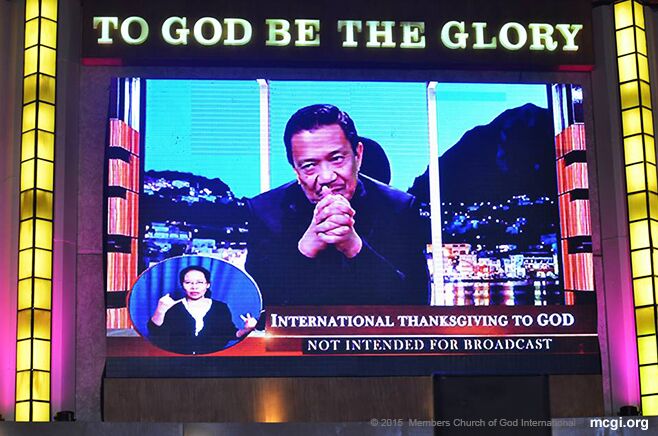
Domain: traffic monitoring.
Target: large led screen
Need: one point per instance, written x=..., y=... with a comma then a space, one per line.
x=316, y=226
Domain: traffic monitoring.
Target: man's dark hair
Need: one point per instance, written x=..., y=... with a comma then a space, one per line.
x=181, y=275
x=318, y=115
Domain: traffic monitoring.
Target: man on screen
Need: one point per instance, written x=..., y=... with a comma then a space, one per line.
x=334, y=236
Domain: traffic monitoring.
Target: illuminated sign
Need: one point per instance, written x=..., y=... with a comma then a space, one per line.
x=423, y=34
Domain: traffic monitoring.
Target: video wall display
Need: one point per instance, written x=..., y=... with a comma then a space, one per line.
x=277, y=219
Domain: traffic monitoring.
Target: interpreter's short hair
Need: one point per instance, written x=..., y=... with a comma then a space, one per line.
x=318, y=115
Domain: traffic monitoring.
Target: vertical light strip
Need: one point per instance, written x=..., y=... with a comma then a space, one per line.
x=641, y=188
x=264, y=98
x=35, y=255
x=435, y=195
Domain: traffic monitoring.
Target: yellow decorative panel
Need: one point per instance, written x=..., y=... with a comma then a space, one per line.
x=635, y=178
x=31, y=56
x=641, y=263
x=637, y=206
x=45, y=174
x=25, y=234
x=639, y=234
x=25, y=264
x=633, y=148
x=27, y=145
x=653, y=205
x=42, y=293
x=646, y=350
x=23, y=355
x=48, y=33
x=631, y=122
x=623, y=15
x=627, y=68
x=625, y=41
x=41, y=385
x=31, y=9
x=641, y=41
x=45, y=204
x=31, y=33
x=647, y=121
x=24, y=294
x=49, y=9
x=24, y=324
x=653, y=225
x=30, y=88
x=43, y=261
x=638, y=12
x=47, y=88
x=22, y=412
x=643, y=291
x=649, y=379
x=46, y=145
x=26, y=200
x=46, y=119
x=643, y=68
x=29, y=117
x=645, y=93
x=27, y=175
x=645, y=321
x=650, y=405
x=22, y=385
x=40, y=411
x=652, y=182
x=650, y=148
x=47, y=61
x=42, y=324
x=41, y=355
x=43, y=235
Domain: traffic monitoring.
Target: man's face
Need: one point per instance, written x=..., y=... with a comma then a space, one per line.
x=195, y=285
x=325, y=162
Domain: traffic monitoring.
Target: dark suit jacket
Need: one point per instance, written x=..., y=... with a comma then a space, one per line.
x=390, y=269
x=177, y=331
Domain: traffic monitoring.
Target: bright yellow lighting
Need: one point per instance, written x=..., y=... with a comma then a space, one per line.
x=650, y=146
x=31, y=9
x=42, y=324
x=45, y=174
x=31, y=33
x=650, y=405
x=27, y=145
x=49, y=9
x=22, y=385
x=641, y=41
x=623, y=14
x=44, y=204
x=635, y=178
x=46, y=118
x=41, y=355
x=643, y=291
x=25, y=264
x=645, y=321
x=41, y=385
x=30, y=88
x=27, y=198
x=625, y=41
x=641, y=263
x=29, y=117
x=627, y=68
x=27, y=175
x=639, y=14
x=639, y=234
x=637, y=206
x=653, y=205
x=23, y=355
x=653, y=225
x=43, y=264
x=629, y=95
x=647, y=121
x=46, y=145
x=24, y=324
x=43, y=235
x=652, y=183
x=42, y=293
x=646, y=350
x=30, y=62
x=633, y=148
x=48, y=33
x=25, y=234
x=47, y=88
x=643, y=67
x=649, y=379
x=631, y=122
x=645, y=92
x=47, y=61
x=40, y=411
x=24, y=294
x=22, y=412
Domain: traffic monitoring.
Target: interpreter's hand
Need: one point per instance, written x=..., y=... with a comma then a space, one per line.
x=249, y=324
x=164, y=304
x=332, y=224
